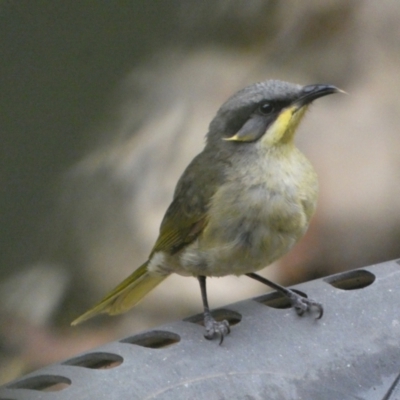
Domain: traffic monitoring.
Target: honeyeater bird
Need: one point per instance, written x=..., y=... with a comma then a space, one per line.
x=241, y=203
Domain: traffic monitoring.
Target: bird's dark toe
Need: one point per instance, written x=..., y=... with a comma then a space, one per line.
x=216, y=328
x=303, y=304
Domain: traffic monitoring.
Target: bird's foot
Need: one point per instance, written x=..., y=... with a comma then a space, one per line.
x=303, y=304
x=215, y=328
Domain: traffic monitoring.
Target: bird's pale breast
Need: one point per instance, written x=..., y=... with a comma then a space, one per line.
x=254, y=221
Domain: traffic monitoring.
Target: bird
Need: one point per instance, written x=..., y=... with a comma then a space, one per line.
x=241, y=203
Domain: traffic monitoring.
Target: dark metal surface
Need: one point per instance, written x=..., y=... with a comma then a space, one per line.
x=353, y=352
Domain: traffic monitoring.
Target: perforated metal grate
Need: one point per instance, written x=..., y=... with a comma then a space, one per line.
x=353, y=352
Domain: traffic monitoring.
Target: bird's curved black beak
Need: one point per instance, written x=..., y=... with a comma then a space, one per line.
x=310, y=93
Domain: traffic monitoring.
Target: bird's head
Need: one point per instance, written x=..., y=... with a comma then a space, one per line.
x=270, y=111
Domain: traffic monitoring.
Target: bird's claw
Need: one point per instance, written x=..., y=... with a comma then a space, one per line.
x=216, y=328
x=303, y=304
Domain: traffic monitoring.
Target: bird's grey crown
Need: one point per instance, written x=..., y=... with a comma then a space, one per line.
x=236, y=110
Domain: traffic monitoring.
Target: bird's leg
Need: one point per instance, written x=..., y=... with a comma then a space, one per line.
x=213, y=327
x=299, y=303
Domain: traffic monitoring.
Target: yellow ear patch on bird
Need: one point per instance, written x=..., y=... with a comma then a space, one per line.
x=284, y=127
x=234, y=138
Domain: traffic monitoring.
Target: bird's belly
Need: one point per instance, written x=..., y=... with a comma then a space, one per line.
x=231, y=259
x=239, y=241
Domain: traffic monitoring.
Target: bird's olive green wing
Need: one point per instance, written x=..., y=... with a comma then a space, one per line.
x=186, y=217
x=179, y=230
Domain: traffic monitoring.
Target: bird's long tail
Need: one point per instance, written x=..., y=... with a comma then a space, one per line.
x=125, y=295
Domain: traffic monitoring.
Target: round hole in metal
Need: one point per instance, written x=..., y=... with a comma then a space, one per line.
x=154, y=339
x=99, y=360
x=351, y=280
x=278, y=300
x=44, y=383
x=221, y=314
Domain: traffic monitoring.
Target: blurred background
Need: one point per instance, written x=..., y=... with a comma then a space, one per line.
x=103, y=104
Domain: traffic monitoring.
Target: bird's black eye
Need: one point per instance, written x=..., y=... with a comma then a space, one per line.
x=266, y=108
